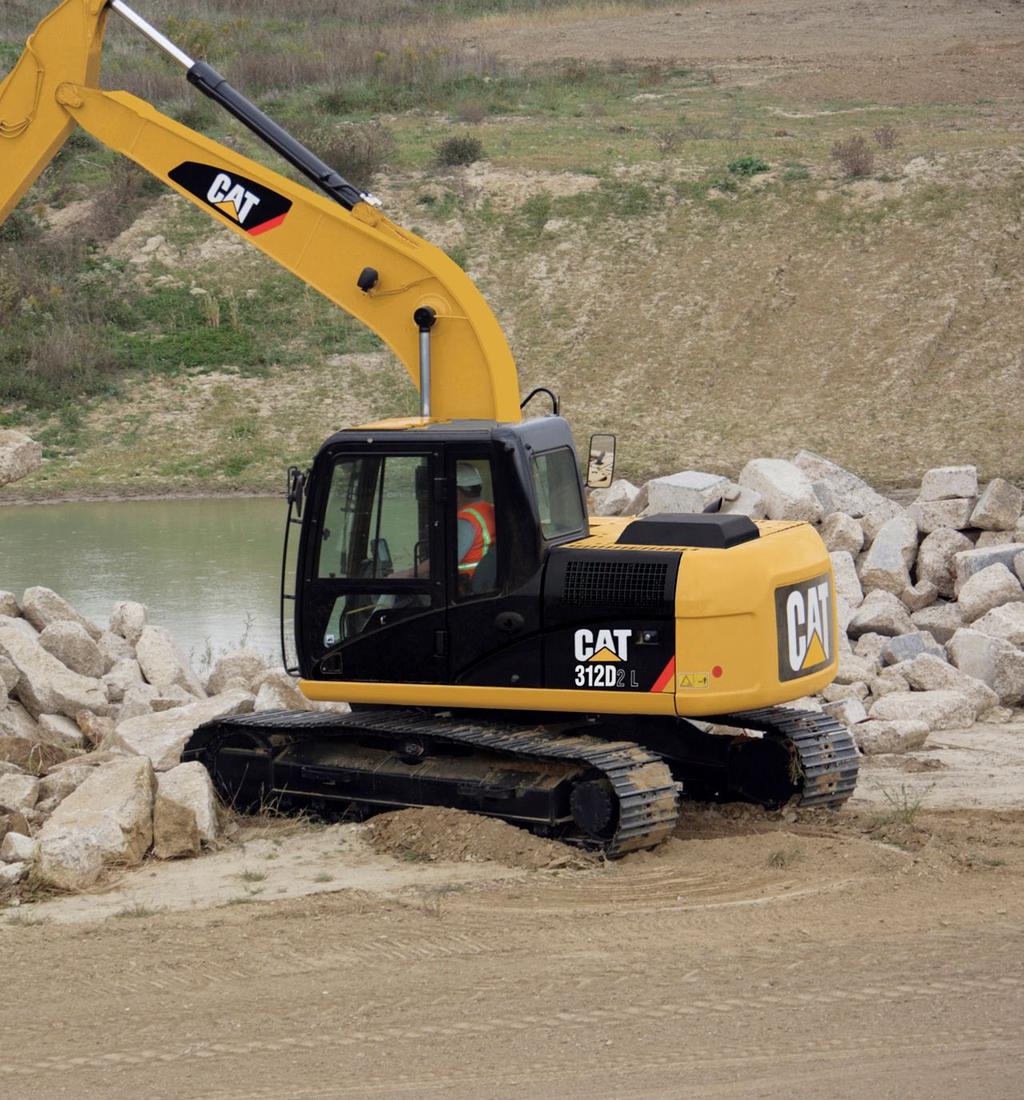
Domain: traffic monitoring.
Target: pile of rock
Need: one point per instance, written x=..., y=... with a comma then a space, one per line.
x=930, y=598
x=92, y=726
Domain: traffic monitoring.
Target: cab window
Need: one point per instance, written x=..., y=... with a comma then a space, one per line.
x=557, y=485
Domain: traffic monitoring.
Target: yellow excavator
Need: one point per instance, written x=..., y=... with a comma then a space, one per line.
x=503, y=652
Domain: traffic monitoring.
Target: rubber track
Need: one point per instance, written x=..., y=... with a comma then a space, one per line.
x=827, y=756
x=648, y=796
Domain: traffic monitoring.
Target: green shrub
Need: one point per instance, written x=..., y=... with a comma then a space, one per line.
x=748, y=166
x=459, y=150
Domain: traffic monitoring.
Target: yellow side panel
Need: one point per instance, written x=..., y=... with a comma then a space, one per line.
x=493, y=698
x=728, y=648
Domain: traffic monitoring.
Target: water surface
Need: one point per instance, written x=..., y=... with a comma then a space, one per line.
x=207, y=569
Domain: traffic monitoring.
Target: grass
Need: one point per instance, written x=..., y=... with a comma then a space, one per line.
x=251, y=875
x=137, y=911
x=903, y=805
x=785, y=857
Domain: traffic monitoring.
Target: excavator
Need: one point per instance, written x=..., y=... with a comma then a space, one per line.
x=502, y=651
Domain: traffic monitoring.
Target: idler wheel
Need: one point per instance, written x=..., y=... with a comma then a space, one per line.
x=594, y=808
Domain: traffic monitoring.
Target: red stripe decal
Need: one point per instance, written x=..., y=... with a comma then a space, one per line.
x=666, y=675
x=272, y=224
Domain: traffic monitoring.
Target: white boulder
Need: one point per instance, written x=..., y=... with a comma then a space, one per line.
x=18, y=848
x=906, y=647
x=9, y=604
x=969, y=562
x=71, y=644
x=18, y=792
x=616, y=500
x=20, y=455
x=787, y=491
x=919, y=596
x=128, y=620
x=122, y=677
x=936, y=559
x=58, y=729
x=163, y=736
x=931, y=515
x=185, y=812
x=941, y=620
x=1006, y=622
x=989, y=588
x=46, y=685
x=42, y=606
x=738, y=501
x=927, y=672
x=163, y=663
x=999, y=506
x=992, y=660
x=947, y=482
x=842, y=532
x=114, y=648
x=244, y=664
x=107, y=820
x=687, y=491
x=276, y=690
x=941, y=710
x=880, y=613
x=848, y=711
x=876, y=737
x=847, y=582
x=851, y=494
x=887, y=563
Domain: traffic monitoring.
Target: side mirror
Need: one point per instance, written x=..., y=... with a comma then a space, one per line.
x=601, y=467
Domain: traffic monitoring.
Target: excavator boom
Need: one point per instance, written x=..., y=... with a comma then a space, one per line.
x=400, y=286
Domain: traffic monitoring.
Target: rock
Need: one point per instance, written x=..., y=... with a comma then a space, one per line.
x=70, y=643
x=869, y=647
x=919, y=596
x=947, y=482
x=996, y=716
x=128, y=620
x=95, y=729
x=941, y=620
x=999, y=506
x=114, y=648
x=122, y=677
x=931, y=515
x=9, y=605
x=42, y=606
x=1006, y=622
x=826, y=497
x=847, y=711
x=17, y=848
x=853, y=669
x=936, y=559
x=244, y=663
x=877, y=518
x=969, y=562
x=988, y=539
x=941, y=710
x=928, y=673
x=997, y=663
x=687, y=491
x=836, y=693
x=108, y=819
x=738, y=501
x=851, y=494
x=276, y=690
x=616, y=500
x=888, y=682
x=908, y=646
x=842, y=532
x=13, y=873
x=1018, y=566
x=876, y=737
x=163, y=664
x=9, y=676
x=18, y=792
x=185, y=813
x=887, y=563
x=58, y=729
x=46, y=685
x=846, y=580
x=786, y=490
x=880, y=613
x=988, y=588
x=162, y=737
x=61, y=781
x=19, y=456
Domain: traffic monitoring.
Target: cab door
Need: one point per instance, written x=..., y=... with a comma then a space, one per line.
x=375, y=600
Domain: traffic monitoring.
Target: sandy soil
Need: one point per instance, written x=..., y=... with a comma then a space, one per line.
x=887, y=51
x=869, y=953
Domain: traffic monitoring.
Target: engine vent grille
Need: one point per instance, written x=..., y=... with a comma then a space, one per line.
x=639, y=584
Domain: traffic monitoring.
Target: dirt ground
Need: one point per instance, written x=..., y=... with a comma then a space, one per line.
x=886, y=51
x=871, y=953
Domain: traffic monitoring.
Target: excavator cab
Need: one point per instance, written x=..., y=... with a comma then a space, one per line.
x=388, y=590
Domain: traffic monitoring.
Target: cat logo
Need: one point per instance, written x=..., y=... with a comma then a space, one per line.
x=605, y=645
x=245, y=203
x=803, y=618
x=231, y=198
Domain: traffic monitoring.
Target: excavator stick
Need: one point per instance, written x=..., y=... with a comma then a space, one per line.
x=33, y=126
x=407, y=291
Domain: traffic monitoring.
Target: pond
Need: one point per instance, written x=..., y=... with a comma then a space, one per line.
x=209, y=570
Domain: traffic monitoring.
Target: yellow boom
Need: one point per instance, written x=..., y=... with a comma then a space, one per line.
x=359, y=259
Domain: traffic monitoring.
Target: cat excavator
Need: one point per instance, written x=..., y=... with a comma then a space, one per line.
x=502, y=651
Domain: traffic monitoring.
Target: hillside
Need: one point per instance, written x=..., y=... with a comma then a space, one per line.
x=668, y=219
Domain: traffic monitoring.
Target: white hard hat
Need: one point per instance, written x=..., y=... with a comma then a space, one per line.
x=467, y=476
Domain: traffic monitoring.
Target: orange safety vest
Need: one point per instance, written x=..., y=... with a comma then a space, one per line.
x=481, y=515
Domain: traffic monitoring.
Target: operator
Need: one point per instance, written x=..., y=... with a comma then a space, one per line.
x=475, y=528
